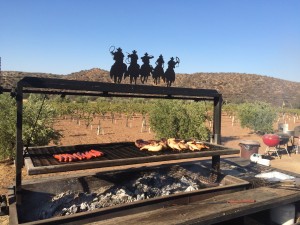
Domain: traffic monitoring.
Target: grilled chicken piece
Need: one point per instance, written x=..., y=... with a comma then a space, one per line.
x=141, y=143
x=193, y=145
x=183, y=145
x=201, y=145
x=152, y=147
x=174, y=144
x=164, y=143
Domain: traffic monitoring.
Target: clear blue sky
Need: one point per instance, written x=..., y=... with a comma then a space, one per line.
x=64, y=36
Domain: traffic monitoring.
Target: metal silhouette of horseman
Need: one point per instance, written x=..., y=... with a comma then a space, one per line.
x=134, y=68
x=146, y=68
x=158, y=71
x=170, y=73
x=119, y=68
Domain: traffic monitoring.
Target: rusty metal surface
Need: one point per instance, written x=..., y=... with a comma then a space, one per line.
x=40, y=160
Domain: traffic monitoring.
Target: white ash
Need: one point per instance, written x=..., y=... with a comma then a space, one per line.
x=147, y=185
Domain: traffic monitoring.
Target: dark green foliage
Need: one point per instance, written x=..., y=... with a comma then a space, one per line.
x=258, y=116
x=179, y=119
x=7, y=126
x=41, y=134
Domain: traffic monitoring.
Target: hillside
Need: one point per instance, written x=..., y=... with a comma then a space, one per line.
x=235, y=87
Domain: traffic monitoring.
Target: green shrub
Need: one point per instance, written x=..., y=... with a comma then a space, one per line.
x=7, y=126
x=42, y=134
x=258, y=116
x=170, y=118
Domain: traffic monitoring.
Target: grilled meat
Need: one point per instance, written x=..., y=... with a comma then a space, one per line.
x=78, y=156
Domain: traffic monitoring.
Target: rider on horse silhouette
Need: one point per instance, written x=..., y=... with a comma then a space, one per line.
x=146, y=68
x=118, y=68
x=134, y=67
x=158, y=70
x=170, y=73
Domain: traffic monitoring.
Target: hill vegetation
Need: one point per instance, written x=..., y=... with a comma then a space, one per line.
x=235, y=87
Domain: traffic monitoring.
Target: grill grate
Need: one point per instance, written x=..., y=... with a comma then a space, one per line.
x=40, y=159
x=43, y=156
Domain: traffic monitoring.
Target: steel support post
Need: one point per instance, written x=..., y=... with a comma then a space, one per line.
x=217, y=129
x=19, y=153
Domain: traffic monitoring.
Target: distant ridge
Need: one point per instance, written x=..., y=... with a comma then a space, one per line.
x=235, y=87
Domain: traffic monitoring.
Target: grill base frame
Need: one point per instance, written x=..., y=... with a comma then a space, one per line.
x=33, y=190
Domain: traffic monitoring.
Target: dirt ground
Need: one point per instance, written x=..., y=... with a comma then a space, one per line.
x=114, y=131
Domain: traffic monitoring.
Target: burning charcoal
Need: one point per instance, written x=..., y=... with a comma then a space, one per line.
x=93, y=206
x=165, y=192
x=121, y=192
x=122, y=195
x=184, y=180
x=190, y=188
x=140, y=197
x=73, y=209
x=144, y=185
x=107, y=197
x=64, y=211
x=84, y=206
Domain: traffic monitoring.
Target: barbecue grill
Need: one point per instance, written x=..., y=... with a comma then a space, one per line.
x=271, y=140
x=284, y=138
x=274, y=142
x=39, y=160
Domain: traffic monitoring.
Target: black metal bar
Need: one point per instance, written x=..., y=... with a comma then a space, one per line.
x=217, y=129
x=217, y=119
x=106, y=94
x=19, y=153
x=5, y=89
x=49, y=83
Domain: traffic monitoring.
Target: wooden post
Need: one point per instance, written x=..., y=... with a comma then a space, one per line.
x=143, y=125
x=100, y=129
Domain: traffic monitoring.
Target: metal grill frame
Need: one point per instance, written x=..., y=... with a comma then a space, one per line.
x=74, y=87
x=40, y=159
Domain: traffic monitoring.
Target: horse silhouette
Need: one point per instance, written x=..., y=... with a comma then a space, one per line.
x=119, y=68
x=170, y=73
x=134, y=68
x=146, y=68
x=158, y=71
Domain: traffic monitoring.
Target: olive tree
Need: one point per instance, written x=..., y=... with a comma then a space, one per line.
x=171, y=118
x=258, y=116
x=35, y=131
